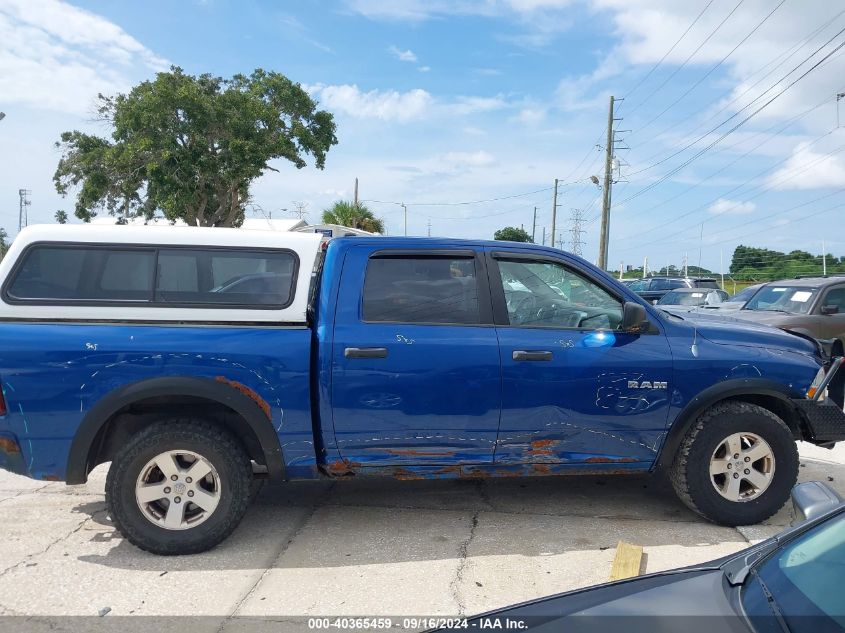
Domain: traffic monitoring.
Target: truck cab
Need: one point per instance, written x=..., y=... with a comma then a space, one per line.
x=199, y=360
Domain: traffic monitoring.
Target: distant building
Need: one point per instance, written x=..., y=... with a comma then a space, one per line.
x=273, y=224
x=332, y=230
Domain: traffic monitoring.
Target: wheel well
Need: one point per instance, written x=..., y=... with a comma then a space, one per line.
x=781, y=408
x=130, y=419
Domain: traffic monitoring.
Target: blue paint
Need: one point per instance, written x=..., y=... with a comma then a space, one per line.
x=449, y=400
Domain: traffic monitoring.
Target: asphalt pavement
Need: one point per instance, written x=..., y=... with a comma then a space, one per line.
x=359, y=547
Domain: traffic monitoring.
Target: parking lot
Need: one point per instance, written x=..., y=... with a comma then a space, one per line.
x=378, y=547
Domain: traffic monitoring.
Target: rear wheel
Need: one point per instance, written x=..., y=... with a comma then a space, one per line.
x=736, y=465
x=179, y=487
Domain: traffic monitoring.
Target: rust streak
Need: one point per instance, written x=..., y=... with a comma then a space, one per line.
x=406, y=475
x=10, y=447
x=50, y=477
x=542, y=443
x=249, y=393
x=540, y=469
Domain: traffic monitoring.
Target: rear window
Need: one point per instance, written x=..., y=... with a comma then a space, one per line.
x=154, y=276
x=421, y=290
x=708, y=283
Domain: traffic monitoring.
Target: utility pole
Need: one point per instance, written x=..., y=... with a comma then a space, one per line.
x=577, y=218
x=534, y=226
x=686, y=266
x=604, y=236
x=406, y=218
x=621, y=269
x=300, y=208
x=23, y=196
x=645, y=266
x=722, y=266
x=356, y=192
x=554, y=214
x=824, y=260
x=544, y=236
x=429, y=227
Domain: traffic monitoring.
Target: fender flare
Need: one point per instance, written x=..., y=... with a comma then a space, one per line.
x=220, y=391
x=707, y=398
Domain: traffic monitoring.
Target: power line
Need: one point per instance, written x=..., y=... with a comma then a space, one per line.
x=771, y=186
x=454, y=204
x=738, y=112
x=709, y=72
x=785, y=55
x=701, y=152
x=687, y=60
x=725, y=167
x=665, y=55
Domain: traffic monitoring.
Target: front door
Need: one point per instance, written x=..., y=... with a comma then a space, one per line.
x=415, y=372
x=576, y=389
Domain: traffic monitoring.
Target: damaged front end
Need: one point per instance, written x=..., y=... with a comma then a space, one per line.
x=821, y=410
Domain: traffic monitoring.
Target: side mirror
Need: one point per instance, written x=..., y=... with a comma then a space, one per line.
x=812, y=499
x=634, y=317
x=830, y=309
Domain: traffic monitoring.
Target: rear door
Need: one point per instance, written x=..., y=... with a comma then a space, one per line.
x=416, y=377
x=576, y=390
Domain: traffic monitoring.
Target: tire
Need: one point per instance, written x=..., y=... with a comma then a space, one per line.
x=705, y=447
x=225, y=489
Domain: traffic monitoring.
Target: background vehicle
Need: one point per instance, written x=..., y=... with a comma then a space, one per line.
x=411, y=358
x=795, y=577
x=814, y=306
x=693, y=297
x=734, y=303
x=653, y=288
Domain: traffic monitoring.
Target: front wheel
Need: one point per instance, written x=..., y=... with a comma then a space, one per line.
x=179, y=487
x=736, y=465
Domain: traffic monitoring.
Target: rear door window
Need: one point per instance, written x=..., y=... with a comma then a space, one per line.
x=421, y=290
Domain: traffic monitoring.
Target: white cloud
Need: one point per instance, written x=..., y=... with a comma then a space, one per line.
x=723, y=205
x=531, y=116
x=468, y=159
x=807, y=169
x=57, y=56
x=388, y=105
x=424, y=69
x=471, y=105
x=403, y=56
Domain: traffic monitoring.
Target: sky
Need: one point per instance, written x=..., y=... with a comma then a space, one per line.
x=727, y=133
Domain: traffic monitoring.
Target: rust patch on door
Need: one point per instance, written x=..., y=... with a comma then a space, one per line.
x=249, y=393
x=340, y=468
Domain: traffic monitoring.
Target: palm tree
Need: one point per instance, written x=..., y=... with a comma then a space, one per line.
x=356, y=216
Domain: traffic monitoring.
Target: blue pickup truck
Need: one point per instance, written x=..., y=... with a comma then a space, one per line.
x=198, y=360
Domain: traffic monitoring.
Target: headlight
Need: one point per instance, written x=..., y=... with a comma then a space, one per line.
x=814, y=386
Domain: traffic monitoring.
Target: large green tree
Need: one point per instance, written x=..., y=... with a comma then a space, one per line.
x=188, y=147
x=512, y=234
x=357, y=216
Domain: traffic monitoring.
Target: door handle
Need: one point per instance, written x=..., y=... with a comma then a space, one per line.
x=365, y=352
x=532, y=355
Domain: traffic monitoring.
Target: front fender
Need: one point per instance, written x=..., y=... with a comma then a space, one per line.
x=733, y=388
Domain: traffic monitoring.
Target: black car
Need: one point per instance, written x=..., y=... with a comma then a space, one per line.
x=791, y=583
x=653, y=288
